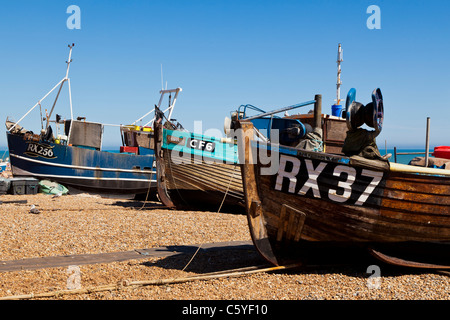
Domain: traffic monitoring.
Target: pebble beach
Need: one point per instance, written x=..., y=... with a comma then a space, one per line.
x=85, y=224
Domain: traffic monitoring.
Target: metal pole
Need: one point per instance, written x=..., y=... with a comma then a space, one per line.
x=162, y=92
x=318, y=111
x=338, y=84
x=172, y=105
x=280, y=110
x=68, y=80
x=38, y=103
x=70, y=59
x=54, y=103
x=70, y=99
x=427, y=142
x=59, y=91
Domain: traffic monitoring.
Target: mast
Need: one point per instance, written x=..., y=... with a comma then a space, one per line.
x=59, y=84
x=338, y=84
x=66, y=78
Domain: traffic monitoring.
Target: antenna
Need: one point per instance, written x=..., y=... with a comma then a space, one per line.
x=338, y=83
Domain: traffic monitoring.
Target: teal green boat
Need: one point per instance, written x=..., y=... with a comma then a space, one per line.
x=197, y=172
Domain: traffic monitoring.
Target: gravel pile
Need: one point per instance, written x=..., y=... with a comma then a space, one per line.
x=86, y=224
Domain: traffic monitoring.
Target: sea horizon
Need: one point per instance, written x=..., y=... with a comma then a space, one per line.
x=401, y=158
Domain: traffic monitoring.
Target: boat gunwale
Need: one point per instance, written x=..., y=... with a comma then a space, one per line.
x=352, y=160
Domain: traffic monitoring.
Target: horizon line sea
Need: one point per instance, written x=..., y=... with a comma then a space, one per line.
x=401, y=158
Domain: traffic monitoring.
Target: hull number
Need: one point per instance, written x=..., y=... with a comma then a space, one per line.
x=326, y=180
x=37, y=149
x=201, y=145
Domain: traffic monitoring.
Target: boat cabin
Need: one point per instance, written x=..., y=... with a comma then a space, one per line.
x=334, y=130
x=83, y=134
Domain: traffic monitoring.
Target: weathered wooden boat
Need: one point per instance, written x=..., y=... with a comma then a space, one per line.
x=199, y=172
x=315, y=202
x=194, y=171
x=73, y=155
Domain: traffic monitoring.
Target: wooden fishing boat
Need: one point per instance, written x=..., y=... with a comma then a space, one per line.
x=196, y=172
x=74, y=157
x=315, y=201
x=81, y=168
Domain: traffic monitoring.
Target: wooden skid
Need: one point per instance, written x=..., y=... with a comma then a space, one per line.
x=407, y=263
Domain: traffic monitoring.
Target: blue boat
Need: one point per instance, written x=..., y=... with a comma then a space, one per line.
x=73, y=155
x=3, y=166
x=81, y=167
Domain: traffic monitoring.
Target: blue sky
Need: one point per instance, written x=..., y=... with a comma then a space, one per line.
x=226, y=53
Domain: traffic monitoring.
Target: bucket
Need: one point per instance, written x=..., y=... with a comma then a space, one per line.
x=336, y=110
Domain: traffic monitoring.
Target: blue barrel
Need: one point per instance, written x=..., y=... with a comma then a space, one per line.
x=336, y=110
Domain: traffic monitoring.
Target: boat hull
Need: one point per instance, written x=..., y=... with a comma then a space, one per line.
x=191, y=177
x=203, y=186
x=323, y=200
x=81, y=168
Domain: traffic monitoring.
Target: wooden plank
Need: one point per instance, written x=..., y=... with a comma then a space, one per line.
x=406, y=263
x=160, y=165
x=82, y=259
x=404, y=168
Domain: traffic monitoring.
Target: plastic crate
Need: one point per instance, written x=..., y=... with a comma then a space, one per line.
x=24, y=186
x=4, y=185
x=126, y=149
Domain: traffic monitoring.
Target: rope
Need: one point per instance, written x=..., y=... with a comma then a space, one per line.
x=148, y=190
x=320, y=147
x=220, y=207
x=3, y=155
x=228, y=188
